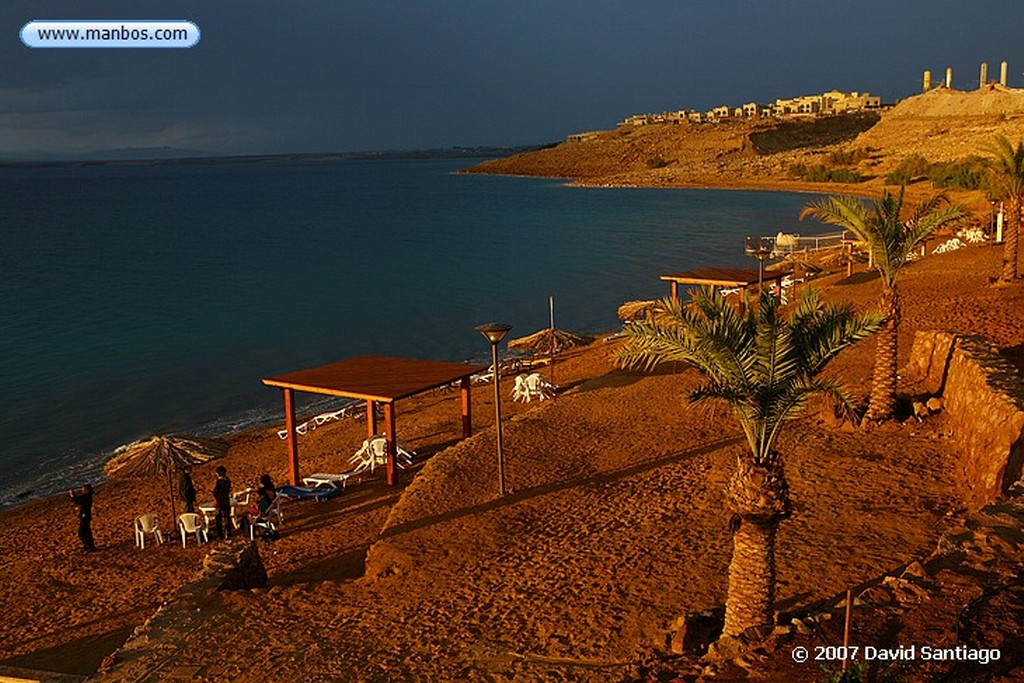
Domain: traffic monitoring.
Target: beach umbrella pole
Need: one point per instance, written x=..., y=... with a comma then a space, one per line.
x=551, y=345
x=170, y=488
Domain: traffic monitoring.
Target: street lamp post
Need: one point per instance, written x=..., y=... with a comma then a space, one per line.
x=761, y=249
x=494, y=333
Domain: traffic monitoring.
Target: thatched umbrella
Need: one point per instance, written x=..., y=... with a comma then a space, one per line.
x=632, y=311
x=550, y=341
x=163, y=455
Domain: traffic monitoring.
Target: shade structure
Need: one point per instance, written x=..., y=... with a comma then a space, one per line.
x=160, y=454
x=550, y=341
x=374, y=379
x=722, y=277
x=163, y=455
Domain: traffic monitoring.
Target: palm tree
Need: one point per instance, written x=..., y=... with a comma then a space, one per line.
x=1008, y=185
x=764, y=368
x=891, y=241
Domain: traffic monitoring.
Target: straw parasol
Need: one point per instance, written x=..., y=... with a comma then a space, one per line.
x=550, y=341
x=633, y=311
x=163, y=455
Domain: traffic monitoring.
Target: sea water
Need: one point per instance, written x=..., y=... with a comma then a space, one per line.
x=149, y=299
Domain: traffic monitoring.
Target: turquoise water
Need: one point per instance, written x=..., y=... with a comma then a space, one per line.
x=146, y=299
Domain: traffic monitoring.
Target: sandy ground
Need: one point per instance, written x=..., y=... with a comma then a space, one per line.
x=614, y=527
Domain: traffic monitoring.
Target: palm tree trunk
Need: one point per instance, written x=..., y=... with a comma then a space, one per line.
x=1010, y=240
x=751, y=598
x=883, y=381
x=758, y=496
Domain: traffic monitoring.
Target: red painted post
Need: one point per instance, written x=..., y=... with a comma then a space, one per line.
x=292, y=443
x=371, y=419
x=467, y=420
x=389, y=433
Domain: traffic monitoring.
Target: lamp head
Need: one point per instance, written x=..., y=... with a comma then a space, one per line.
x=758, y=247
x=494, y=332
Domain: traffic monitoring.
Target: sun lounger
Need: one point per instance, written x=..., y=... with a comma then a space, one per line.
x=317, y=493
x=327, y=479
x=299, y=429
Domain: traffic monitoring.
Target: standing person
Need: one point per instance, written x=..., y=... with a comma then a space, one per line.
x=187, y=489
x=222, y=498
x=83, y=499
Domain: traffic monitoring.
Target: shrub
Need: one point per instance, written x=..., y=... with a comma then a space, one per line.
x=656, y=162
x=848, y=157
x=819, y=173
x=912, y=167
x=970, y=173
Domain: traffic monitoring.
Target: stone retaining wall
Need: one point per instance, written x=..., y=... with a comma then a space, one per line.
x=151, y=651
x=984, y=403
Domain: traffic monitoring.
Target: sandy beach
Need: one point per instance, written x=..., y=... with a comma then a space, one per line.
x=613, y=528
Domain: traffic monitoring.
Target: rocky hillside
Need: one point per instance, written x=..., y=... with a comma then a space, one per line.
x=941, y=125
x=945, y=125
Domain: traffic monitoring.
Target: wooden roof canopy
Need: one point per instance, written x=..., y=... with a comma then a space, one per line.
x=721, y=277
x=374, y=379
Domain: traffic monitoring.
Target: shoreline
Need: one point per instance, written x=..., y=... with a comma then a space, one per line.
x=618, y=466
x=973, y=199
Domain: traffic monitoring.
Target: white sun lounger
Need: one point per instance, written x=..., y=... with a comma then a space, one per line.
x=325, y=478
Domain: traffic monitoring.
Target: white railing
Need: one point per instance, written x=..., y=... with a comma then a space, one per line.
x=790, y=243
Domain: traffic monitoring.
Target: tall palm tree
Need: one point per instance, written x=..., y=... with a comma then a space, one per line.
x=1008, y=184
x=764, y=368
x=891, y=240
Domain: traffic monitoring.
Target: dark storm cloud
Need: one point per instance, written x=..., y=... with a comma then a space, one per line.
x=308, y=76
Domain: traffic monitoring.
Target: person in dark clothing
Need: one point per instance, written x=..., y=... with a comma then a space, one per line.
x=222, y=497
x=267, y=483
x=83, y=499
x=187, y=489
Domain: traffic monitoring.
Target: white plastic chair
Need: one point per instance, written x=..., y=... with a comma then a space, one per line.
x=519, y=390
x=529, y=387
x=147, y=524
x=188, y=523
x=269, y=521
x=374, y=453
x=538, y=387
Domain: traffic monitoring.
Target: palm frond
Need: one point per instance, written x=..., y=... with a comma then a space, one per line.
x=762, y=365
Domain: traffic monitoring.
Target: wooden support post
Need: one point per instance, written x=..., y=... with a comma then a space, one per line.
x=467, y=416
x=371, y=419
x=742, y=300
x=389, y=434
x=849, y=260
x=675, y=290
x=292, y=442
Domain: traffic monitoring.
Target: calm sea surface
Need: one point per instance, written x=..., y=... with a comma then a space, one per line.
x=140, y=300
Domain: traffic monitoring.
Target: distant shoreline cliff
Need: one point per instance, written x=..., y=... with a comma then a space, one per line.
x=942, y=125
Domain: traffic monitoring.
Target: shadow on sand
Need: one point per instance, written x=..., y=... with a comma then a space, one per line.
x=535, y=491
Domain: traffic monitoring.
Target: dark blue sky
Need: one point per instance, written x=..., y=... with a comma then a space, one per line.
x=334, y=75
